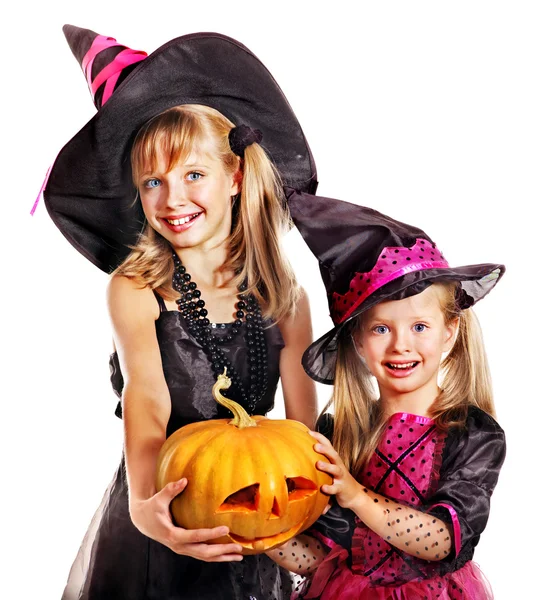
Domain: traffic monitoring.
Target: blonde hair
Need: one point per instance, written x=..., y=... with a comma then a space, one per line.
x=255, y=254
x=359, y=420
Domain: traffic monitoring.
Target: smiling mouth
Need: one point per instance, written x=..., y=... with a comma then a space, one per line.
x=182, y=220
x=401, y=366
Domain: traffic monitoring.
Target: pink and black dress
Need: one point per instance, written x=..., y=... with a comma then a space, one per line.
x=448, y=474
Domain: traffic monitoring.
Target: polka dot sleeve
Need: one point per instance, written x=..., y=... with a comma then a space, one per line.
x=301, y=555
x=415, y=532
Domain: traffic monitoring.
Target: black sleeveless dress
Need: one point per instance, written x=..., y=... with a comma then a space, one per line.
x=116, y=561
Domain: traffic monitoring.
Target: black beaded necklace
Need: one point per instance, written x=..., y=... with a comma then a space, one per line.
x=248, y=318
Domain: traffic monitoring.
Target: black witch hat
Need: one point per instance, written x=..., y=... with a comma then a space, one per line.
x=89, y=193
x=366, y=257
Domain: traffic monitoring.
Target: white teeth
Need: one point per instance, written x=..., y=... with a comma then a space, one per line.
x=401, y=366
x=182, y=221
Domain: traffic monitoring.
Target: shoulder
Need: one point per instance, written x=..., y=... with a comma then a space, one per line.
x=480, y=421
x=300, y=320
x=127, y=298
x=479, y=445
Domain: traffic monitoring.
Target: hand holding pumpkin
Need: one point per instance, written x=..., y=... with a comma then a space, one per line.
x=346, y=489
x=152, y=518
x=253, y=475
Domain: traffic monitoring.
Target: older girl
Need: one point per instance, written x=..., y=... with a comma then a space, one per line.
x=199, y=282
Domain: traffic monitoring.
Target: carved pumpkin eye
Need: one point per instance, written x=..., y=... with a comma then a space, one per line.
x=300, y=487
x=245, y=499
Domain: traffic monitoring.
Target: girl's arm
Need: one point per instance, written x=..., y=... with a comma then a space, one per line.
x=300, y=397
x=417, y=533
x=301, y=555
x=146, y=410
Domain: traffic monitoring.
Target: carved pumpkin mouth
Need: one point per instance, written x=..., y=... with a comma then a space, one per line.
x=247, y=499
x=259, y=544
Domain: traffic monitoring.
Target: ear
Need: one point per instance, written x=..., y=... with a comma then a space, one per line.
x=358, y=344
x=451, y=331
x=236, y=183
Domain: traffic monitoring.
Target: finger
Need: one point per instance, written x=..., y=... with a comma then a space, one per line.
x=319, y=437
x=327, y=508
x=222, y=558
x=208, y=551
x=196, y=536
x=327, y=451
x=172, y=489
x=331, y=490
x=227, y=558
x=330, y=468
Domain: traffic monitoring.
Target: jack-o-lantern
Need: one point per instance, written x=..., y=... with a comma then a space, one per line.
x=253, y=474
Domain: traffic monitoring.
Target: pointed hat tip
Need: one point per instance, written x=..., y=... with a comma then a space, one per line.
x=79, y=39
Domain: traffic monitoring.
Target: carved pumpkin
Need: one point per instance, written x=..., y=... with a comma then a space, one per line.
x=253, y=474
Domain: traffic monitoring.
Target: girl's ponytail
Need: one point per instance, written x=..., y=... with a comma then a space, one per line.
x=255, y=245
x=357, y=415
x=466, y=374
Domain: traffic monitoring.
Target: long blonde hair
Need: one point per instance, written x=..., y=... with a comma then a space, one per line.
x=255, y=254
x=359, y=420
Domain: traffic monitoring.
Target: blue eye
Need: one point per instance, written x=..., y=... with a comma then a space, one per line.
x=419, y=327
x=381, y=329
x=194, y=176
x=152, y=183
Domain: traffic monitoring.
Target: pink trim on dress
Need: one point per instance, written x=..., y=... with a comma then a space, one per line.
x=393, y=262
x=412, y=417
x=325, y=540
x=456, y=525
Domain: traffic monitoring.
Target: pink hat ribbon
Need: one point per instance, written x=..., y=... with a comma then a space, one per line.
x=393, y=262
x=110, y=74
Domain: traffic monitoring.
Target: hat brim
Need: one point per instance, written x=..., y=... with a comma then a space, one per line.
x=90, y=194
x=319, y=360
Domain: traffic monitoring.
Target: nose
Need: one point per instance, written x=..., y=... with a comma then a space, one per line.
x=176, y=194
x=400, y=341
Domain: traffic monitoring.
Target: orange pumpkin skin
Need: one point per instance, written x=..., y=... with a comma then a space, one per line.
x=260, y=481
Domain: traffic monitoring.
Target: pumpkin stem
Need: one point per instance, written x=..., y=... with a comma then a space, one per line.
x=240, y=417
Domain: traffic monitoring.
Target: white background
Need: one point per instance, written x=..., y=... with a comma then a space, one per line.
x=442, y=114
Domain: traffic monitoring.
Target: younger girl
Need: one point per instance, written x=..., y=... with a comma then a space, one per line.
x=206, y=286
x=415, y=462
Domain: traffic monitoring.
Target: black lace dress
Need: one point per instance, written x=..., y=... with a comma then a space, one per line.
x=116, y=561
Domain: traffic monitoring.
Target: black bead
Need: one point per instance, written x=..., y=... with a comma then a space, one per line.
x=201, y=303
x=196, y=293
x=191, y=286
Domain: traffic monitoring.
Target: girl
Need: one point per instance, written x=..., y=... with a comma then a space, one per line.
x=206, y=286
x=415, y=462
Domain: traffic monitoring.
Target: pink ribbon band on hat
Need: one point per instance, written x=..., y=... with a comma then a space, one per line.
x=110, y=74
x=393, y=262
